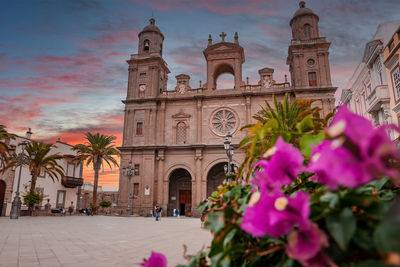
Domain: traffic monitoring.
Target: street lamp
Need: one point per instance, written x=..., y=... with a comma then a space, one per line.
x=129, y=171
x=229, y=153
x=21, y=159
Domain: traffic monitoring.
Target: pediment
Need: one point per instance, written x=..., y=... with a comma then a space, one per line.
x=181, y=115
x=221, y=48
x=370, y=49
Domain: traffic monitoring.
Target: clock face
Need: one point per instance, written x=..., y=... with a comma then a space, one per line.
x=310, y=62
x=142, y=87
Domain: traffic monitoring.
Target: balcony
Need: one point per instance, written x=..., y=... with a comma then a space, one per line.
x=377, y=97
x=71, y=182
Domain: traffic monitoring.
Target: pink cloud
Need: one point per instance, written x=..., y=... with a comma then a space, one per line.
x=275, y=32
x=224, y=7
x=113, y=39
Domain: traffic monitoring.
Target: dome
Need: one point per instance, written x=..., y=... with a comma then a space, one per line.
x=303, y=10
x=151, y=28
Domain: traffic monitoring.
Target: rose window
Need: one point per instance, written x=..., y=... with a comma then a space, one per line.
x=223, y=121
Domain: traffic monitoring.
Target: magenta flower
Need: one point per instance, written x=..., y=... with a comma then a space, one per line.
x=155, y=260
x=281, y=165
x=357, y=153
x=335, y=166
x=275, y=214
x=305, y=245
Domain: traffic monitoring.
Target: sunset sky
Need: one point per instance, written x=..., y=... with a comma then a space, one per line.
x=63, y=69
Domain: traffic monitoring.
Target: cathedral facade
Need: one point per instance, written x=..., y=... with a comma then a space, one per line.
x=174, y=138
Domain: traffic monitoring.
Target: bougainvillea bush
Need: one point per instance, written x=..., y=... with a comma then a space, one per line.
x=308, y=195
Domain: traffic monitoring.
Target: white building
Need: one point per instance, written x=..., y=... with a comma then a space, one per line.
x=367, y=91
x=59, y=194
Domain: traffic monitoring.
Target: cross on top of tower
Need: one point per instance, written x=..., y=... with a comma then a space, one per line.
x=223, y=35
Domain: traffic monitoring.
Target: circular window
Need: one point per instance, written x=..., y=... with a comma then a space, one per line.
x=310, y=62
x=223, y=121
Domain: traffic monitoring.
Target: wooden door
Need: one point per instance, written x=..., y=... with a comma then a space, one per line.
x=185, y=196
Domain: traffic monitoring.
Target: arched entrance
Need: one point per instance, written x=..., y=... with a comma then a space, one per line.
x=180, y=192
x=2, y=194
x=215, y=177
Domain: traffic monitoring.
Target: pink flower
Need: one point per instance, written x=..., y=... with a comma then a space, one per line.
x=305, y=245
x=155, y=260
x=357, y=153
x=275, y=214
x=281, y=165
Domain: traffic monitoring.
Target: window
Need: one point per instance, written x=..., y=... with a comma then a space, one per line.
x=135, y=189
x=139, y=128
x=71, y=170
x=312, y=79
x=307, y=31
x=137, y=169
x=181, y=133
x=391, y=45
x=142, y=74
x=60, y=199
x=396, y=83
x=42, y=173
x=146, y=45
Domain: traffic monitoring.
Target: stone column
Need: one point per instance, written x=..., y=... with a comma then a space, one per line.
x=322, y=71
x=248, y=109
x=160, y=181
x=197, y=192
x=162, y=123
x=147, y=133
x=199, y=120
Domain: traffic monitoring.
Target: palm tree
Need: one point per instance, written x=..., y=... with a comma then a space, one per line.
x=97, y=149
x=289, y=119
x=4, y=149
x=39, y=160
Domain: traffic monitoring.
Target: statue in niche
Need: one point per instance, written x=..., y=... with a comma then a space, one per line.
x=267, y=81
x=181, y=88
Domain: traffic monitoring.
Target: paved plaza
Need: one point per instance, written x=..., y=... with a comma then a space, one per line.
x=96, y=240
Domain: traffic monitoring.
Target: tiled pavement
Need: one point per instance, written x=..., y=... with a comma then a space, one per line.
x=96, y=240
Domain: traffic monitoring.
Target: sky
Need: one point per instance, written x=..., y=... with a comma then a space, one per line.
x=63, y=69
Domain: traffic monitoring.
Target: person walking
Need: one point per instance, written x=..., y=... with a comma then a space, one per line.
x=156, y=210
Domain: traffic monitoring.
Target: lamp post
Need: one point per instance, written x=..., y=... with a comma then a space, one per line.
x=129, y=171
x=20, y=159
x=229, y=153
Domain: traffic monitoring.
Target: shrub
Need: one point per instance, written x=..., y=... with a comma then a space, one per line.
x=308, y=196
x=105, y=203
x=32, y=199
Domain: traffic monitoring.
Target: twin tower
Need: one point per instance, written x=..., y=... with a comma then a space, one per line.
x=174, y=138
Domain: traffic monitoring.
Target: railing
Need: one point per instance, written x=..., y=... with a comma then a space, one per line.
x=71, y=182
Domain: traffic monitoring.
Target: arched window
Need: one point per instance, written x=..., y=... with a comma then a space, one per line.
x=146, y=45
x=307, y=31
x=225, y=81
x=181, y=133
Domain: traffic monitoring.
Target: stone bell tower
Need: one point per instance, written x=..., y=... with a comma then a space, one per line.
x=224, y=57
x=308, y=56
x=147, y=69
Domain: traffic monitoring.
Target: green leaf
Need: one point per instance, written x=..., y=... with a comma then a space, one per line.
x=342, y=227
x=387, y=234
x=331, y=198
x=309, y=140
x=305, y=125
x=378, y=184
x=231, y=234
x=215, y=222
